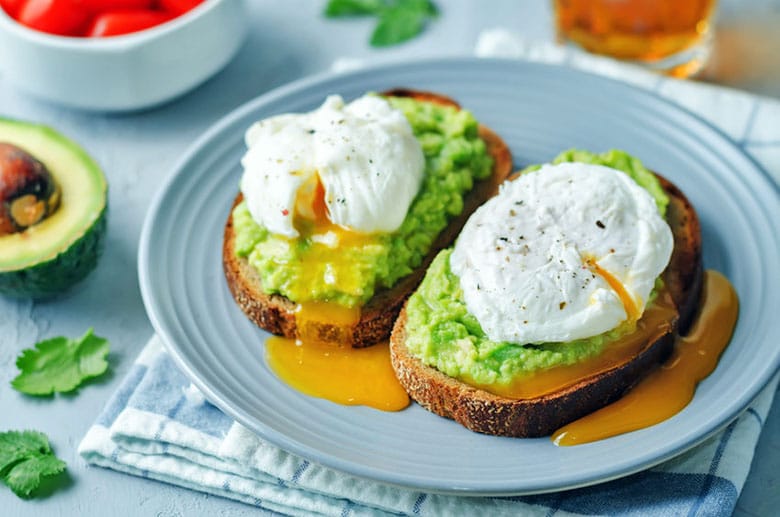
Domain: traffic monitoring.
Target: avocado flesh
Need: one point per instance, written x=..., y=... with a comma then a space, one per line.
x=49, y=257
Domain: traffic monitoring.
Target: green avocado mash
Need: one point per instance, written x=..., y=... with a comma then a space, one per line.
x=621, y=161
x=441, y=332
x=303, y=270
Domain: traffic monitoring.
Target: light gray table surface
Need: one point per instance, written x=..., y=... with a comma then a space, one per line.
x=288, y=40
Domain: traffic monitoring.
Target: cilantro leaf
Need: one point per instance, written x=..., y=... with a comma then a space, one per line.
x=60, y=364
x=399, y=20
x=15, y=444
x=402, y=21
x=25, y=457
x=26, y=475
x=336, y=8
x=424, y=6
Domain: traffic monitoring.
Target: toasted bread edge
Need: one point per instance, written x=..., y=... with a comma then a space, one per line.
x=485, y=412
x=275, y=313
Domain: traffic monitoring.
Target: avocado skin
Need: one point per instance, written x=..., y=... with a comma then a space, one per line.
x=52, y=277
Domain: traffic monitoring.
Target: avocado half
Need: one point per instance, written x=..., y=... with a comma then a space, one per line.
x=47, y=258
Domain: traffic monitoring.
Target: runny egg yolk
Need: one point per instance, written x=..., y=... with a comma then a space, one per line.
x=310, y=206
x=323, y=363
x=629, y=304
x=327, y=246
x=313, y=222
x=667, y=390
x=339, y=373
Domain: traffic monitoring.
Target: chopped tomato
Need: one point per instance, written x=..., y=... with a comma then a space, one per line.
x=11, y=6
x=114, y=23
x=179, y=6
x=98, y=6
x=95, y=18
x=64, y=17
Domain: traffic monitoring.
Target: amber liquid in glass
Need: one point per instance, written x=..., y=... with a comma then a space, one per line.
x=647, y=31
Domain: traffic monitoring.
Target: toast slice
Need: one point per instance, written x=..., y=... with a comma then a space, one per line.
x=485, y=412
x=275, y=313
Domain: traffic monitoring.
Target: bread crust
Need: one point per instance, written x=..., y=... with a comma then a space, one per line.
x=275, y=313
x=485, y=412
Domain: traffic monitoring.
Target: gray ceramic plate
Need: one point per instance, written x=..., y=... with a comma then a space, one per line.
x=539, y=110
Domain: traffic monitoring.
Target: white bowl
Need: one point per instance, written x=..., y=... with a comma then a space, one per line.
x=128, y=72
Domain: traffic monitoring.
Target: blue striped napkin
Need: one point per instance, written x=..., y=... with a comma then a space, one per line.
x=157, y=425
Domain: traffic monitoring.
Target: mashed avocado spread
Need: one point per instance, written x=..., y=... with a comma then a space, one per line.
x=442, y=333
x=349, y=274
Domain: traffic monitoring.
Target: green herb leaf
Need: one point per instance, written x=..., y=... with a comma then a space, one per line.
x=402, y=21
x=337, y=8
x=60, y=364
x=424, y=6
x=25, y=457
x=399, y=20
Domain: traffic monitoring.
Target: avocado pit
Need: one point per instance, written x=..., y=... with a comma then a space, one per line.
x=28, y=192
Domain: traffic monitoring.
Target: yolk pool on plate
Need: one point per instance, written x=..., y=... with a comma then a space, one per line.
x=341, y=374
x=667, y=390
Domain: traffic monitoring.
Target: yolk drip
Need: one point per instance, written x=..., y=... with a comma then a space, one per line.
x=328, y=245
x=310, y=201
x=309, y=317
x=321, y=362
x=629, y=304
x=312, y=219
x=670, y=388
x=654, y=323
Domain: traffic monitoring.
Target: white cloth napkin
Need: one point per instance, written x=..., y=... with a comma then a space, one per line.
x=158, y=426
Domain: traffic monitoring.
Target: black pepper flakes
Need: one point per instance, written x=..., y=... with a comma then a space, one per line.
x=600, y=224
x=561, y=305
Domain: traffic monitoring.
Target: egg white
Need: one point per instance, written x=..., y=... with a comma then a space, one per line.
x=524, y=259
x=365, y=154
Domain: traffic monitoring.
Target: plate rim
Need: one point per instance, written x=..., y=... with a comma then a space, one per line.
x=364, y=471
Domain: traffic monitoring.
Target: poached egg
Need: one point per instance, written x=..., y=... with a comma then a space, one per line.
x=565, y=252
x=357, y=164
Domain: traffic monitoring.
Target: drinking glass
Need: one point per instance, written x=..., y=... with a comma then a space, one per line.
x=672, y=36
